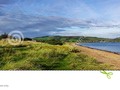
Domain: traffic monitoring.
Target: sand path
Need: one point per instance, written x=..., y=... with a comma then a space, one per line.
x=102, y=56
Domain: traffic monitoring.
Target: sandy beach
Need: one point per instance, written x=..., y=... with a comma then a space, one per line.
x=102, y=56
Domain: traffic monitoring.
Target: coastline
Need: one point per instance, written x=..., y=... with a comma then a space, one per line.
x=100, y=49
x=101, y=56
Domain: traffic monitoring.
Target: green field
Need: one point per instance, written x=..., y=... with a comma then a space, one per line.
x=42, y=56
x=62, y=39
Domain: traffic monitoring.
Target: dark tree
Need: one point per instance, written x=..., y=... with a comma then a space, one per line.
x=4, y=36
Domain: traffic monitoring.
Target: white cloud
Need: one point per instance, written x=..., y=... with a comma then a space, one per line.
x=105, y=32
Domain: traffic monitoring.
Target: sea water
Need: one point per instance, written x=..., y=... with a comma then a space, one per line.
x=108, y=46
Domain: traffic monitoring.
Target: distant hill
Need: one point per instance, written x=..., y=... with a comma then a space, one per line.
x=62, y=39
x=116, y=40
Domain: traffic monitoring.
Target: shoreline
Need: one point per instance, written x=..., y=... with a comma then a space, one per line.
x=100, y=49
x=102, y=56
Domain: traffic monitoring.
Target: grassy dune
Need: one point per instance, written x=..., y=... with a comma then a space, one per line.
x=42, y=56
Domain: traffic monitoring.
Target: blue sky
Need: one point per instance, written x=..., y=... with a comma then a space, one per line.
x=99, y=18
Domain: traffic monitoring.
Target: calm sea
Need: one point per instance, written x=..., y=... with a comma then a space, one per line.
x=113, y=47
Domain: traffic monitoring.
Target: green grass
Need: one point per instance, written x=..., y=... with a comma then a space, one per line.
x=42, y=56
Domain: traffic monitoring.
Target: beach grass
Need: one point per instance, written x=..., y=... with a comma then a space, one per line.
x=42, y=56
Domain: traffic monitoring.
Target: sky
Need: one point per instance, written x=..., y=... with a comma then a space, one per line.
x=35, y=18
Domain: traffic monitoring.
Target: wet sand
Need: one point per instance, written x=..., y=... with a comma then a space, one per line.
x=101, y=56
